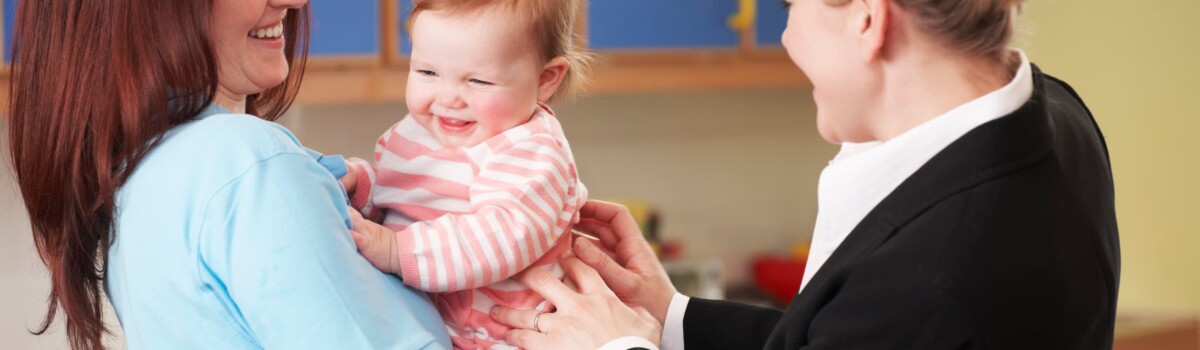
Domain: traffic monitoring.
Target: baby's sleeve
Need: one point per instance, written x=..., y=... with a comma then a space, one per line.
x=523, y=200
x=361, y=200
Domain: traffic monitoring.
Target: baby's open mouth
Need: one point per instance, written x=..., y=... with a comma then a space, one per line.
x=455, y=125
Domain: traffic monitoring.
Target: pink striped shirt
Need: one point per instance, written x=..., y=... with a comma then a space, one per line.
x=468, y=219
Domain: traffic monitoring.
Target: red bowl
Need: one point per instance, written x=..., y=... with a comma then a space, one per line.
x=779, y=276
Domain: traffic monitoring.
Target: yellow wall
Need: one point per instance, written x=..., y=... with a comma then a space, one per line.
x=1137, y=65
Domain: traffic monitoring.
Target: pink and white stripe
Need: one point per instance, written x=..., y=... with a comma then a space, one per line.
x=468, y=219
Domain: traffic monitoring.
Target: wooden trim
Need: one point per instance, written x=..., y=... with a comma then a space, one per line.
x=327, y=85
x=581, y=25
x=347, y=61
x=382, y=77
x=706, y=72
x=617, y=73
x=390, y=26
x=367, y=79
x=5, y=88
x=747, y=35
x=749, y=41
x=1165, y=332
x=688, y=56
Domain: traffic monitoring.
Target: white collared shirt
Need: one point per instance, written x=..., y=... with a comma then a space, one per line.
x=863, y=174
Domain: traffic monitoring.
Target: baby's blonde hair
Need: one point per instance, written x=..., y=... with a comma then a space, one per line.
x=550, y=22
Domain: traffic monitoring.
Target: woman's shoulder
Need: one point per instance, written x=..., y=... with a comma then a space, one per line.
x=237, y=134
x=213, y=150
x=227, y=141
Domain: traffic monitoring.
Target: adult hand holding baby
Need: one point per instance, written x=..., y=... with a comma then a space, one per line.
x=622, y=288
x=624, y=259
x=581, y=318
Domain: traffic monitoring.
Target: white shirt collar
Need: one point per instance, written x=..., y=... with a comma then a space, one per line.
x=863, y=174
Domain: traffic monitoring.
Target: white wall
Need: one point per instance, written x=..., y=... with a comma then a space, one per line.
x=25, y=284
x=1136, y=66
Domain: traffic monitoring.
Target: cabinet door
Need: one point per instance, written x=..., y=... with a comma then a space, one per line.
x=10, y=17
x=344, y=28
x=656, y=24
x=772, y=19
x=405, y=44
x=339, y=28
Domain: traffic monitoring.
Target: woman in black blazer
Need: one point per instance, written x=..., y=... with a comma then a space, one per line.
x=971, y=206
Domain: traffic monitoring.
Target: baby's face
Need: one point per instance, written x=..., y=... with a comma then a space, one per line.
x=471, y=77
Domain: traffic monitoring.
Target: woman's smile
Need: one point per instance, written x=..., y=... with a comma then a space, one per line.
x=271, y=37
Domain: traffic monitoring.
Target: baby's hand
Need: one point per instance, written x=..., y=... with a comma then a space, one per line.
x=376, y=243
x=350, y=180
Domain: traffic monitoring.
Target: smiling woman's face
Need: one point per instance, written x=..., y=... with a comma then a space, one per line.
x=821, y=39
x=248, y=38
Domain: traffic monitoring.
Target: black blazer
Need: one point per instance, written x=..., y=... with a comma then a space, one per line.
x=1006, y=239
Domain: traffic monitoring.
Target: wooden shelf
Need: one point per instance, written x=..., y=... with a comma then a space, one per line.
x=1159, y=332
x=370, y=80
x=340, y=81
x=383, y=77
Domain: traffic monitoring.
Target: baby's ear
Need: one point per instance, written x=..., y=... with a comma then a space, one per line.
x=552, y=75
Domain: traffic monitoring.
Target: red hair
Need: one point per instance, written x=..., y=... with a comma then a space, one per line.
x=95, y=85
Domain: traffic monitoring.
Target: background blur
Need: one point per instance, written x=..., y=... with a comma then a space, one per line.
x=723, y=145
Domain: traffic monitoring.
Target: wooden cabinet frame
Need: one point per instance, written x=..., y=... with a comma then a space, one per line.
x=632, y=71
x=383, y=77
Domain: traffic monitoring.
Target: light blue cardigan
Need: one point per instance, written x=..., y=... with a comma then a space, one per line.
x=230, y=235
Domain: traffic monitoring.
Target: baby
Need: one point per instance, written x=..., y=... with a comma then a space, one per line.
x=478, y=182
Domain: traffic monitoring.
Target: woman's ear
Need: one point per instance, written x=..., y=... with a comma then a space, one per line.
x=551, y=77
x=872, y=22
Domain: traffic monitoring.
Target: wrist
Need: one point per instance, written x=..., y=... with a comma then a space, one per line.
x=662, y=305
x=394, y=256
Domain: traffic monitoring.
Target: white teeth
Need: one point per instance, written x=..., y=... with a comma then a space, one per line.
x=272, y=32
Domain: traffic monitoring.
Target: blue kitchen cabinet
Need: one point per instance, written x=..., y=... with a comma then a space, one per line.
x=661, y=24
x=10, y=17
x=344, y=28
x=341, y=28
x=405, y=43
x=768, y=27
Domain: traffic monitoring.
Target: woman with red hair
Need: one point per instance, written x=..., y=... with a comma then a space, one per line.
x=142, y=141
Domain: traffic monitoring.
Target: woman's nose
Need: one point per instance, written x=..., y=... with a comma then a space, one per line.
x=288, y=3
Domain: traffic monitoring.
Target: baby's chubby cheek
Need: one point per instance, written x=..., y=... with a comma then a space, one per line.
x=503, y=115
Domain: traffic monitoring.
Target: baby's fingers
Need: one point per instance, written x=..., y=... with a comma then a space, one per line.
x=360, y=239
x=358, y=229
x=356, y=218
